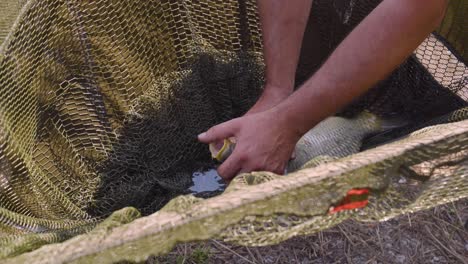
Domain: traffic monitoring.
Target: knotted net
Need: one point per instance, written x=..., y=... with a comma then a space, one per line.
x=101, y=102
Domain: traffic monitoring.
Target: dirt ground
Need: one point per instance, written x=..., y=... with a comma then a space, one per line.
x=439, y=235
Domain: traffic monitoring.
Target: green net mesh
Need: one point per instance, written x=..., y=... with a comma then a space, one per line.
x=101, y=102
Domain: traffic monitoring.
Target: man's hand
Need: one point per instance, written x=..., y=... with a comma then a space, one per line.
x=263, y=142
x=270, y=97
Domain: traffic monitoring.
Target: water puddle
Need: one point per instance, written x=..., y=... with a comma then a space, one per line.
x=207, y=183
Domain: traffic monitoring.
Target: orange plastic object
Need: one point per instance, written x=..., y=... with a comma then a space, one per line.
x=356, y=198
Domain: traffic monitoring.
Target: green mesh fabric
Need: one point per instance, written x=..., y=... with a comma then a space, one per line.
x=101, y=102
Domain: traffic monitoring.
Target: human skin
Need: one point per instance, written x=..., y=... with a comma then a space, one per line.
x=266, y=136
x=283, y=27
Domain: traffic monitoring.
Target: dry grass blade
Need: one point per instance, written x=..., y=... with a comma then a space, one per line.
x=232, y=251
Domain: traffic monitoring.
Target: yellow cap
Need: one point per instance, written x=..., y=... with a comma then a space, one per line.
x=221, y=154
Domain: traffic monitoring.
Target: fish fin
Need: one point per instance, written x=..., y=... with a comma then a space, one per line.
x=394, y=122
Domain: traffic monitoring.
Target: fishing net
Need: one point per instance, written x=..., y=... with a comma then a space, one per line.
x=101, y=102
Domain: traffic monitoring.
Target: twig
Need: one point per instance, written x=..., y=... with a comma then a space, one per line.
x=295, y=256
x=348, y=258
x=232, y=251
x=250, y=253
x=444, y=247
x=450, y=224
x=370, y=260
x=278, y=259
x=322, y=253
x=457, y=214
x=380, y=239
x=259, y=255
x=346, y=235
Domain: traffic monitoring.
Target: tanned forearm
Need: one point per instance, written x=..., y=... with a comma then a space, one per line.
x=374, y=49
x=283, y=26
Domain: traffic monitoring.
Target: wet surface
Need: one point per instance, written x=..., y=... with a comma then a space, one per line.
x=207, y=183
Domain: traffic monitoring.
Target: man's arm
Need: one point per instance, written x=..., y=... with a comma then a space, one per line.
x=369, y=54
x=283, y=25
x=373, y=50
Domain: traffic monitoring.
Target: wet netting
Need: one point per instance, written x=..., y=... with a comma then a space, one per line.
x=101, y=102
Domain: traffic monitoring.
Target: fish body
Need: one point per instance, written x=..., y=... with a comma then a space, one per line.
x=335, y=137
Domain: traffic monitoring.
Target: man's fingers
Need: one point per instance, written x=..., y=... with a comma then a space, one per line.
x=219, y=132
x=230, y=168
